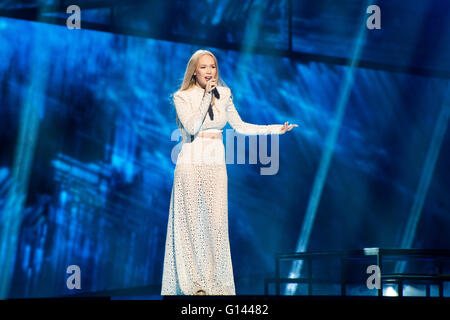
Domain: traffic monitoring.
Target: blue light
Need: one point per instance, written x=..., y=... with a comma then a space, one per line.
x=63, y=197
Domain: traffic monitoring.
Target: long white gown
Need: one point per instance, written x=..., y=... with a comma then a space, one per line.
x=197, y=251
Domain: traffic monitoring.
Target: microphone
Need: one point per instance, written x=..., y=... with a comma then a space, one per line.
x=216, y=93
x=210, y=110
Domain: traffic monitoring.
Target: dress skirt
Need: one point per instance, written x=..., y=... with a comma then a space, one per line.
x=197, y=251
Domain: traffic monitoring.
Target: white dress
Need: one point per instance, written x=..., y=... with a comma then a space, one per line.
x=197, y=251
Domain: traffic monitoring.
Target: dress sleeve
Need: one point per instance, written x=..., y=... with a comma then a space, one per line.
x=191, y=116
x=247, y=128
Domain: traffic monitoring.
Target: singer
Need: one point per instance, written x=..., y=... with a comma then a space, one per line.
x=197, y=259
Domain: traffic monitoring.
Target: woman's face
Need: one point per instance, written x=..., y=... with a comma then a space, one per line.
x=206, y=69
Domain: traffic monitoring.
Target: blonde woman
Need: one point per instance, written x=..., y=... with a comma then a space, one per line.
x=197, y=258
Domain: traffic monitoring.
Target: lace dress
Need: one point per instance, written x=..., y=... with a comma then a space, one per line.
x=197, y=251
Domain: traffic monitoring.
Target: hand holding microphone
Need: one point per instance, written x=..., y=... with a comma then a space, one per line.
x=211, y=86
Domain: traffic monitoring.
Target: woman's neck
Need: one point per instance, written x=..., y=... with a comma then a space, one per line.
x=199, y=86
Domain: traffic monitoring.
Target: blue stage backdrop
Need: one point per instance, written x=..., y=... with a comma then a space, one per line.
x=86, y=120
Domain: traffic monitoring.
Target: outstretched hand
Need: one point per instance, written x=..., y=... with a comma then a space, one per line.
x=287, y=127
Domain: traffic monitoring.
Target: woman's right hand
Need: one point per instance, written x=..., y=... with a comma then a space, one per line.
x=211, y=84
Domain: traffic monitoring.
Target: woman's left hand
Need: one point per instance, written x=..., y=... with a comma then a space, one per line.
x=287, y=127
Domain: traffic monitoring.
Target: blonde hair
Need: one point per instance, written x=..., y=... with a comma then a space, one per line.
x=189, y=78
